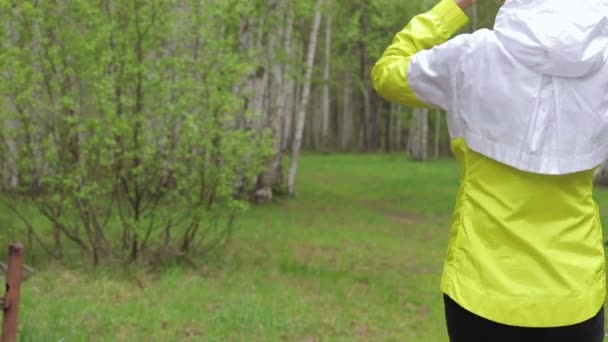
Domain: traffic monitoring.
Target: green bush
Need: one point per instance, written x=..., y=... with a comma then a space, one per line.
x=120, y=124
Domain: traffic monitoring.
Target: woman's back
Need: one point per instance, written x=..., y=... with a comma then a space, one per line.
x=529, y=246
x=527, y=108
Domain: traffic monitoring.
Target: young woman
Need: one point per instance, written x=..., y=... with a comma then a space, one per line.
x=527, y=108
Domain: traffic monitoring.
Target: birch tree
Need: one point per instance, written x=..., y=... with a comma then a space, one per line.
x=418, y=135
x=326, y=80
x=301, y=114
x=270, y=179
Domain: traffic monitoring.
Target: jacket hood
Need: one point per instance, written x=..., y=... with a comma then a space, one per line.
x=563, y=38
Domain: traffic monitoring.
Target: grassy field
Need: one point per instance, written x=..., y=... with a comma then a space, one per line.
x=357, y=256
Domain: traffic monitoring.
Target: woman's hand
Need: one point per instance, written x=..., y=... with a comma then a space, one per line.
x=465, y=4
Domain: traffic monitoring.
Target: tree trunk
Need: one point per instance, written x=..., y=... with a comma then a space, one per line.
x=375, y=126
x=326, y=79
x=437, y=132
x=297, y=101
x=366, y=113
x=346, y=127
x=399, y=131
x=388, y=124
x=475, y=17
x=270, y=180
x=301, y=115
x=290, y=86
x=10, y=168
x=313, y=125
x=364, y=117
x=601, y=176
x=290, y=109
x=418, y=135
x=289, y=83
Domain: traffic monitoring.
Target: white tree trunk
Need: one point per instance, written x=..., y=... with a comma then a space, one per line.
x=290, y=107
x=326, y=79
x=298, y=50
x=437, y=132
x=301, y=115
x=271, y=178
x=418, y=135
x=289, y=85
x=365, y=127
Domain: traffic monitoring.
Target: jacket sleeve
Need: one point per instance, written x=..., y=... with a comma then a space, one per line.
x=411, y=71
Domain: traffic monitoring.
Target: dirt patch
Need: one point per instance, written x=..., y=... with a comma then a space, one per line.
x=289, y=204
x=192, y=331
x=358, y=290
x=362, y=331
x=315, y=253
x=418, y=310
x=310, y=339
x=393, y=214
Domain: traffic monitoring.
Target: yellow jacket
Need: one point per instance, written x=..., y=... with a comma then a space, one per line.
x=526, y=249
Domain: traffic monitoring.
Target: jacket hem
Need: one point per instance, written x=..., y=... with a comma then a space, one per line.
x=544, y=312
x=535, y=164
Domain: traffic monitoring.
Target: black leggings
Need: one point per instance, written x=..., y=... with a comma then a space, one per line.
x=464, y=326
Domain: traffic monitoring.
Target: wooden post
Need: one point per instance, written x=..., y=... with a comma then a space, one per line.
x=14, y=276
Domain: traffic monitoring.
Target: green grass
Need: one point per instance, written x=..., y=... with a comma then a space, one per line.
x=357, y=256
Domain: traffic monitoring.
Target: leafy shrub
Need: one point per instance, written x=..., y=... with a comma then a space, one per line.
x=120, y=123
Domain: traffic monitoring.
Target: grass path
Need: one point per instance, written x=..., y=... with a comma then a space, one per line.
x=357, y=256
